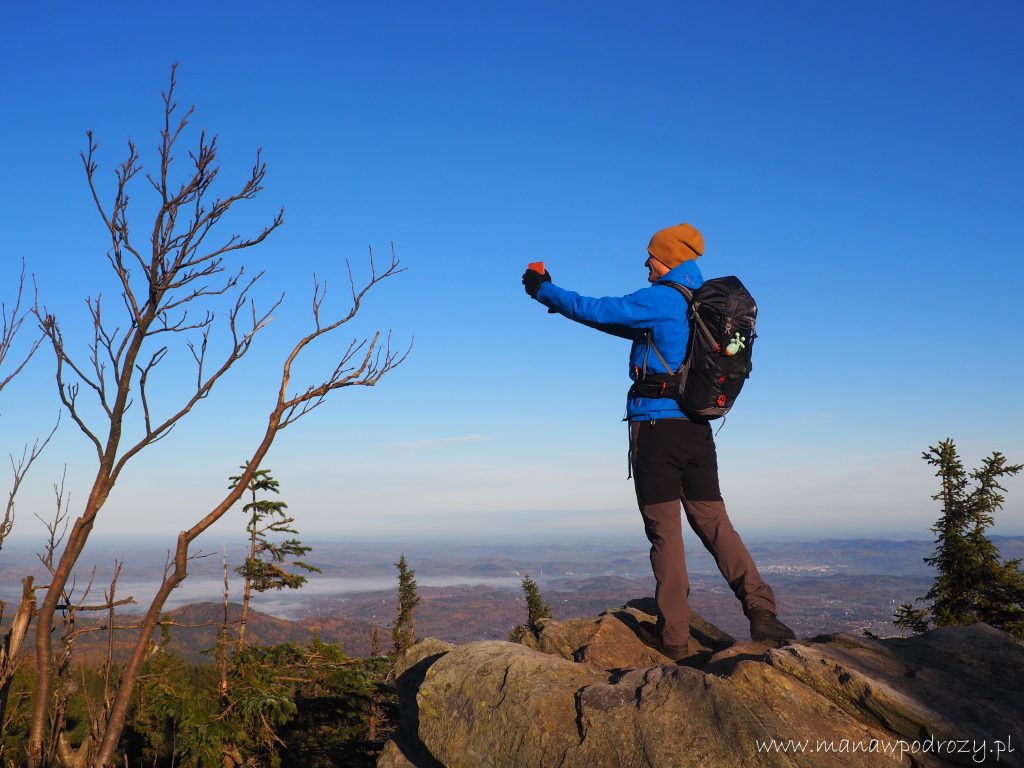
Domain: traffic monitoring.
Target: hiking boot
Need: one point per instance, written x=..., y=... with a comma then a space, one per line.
x=675, y=652
x=652, y=638
x=765, y=626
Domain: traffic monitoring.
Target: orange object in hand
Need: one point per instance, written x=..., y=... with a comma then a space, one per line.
x=538, y=267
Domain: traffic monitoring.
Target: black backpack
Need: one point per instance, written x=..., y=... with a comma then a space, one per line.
x=722, y=316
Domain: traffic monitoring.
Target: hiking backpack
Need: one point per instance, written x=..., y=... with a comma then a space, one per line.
x=722, y=317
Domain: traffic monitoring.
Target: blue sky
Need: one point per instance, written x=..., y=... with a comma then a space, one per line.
x=857, y=165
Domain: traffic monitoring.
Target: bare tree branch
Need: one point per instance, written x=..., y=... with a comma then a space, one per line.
x=57, y=527
x=68, y=393
x=106, y=606
x=106, y=627
x=109, y=661
x=19, y=470
x=10, y=324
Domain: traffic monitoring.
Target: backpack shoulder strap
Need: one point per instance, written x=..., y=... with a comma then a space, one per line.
x=654, y=347
x=687, y=293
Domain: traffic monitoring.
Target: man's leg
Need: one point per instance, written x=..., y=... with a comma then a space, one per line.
x=710, y=522
x=657, y=483
x=664, y=529
x=705, y=511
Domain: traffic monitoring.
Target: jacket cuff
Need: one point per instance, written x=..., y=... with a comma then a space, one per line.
x=540, y=294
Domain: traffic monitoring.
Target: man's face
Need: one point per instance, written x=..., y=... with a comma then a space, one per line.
x=655, y=269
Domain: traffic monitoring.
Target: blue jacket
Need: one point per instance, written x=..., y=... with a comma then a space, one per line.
x=661, y=310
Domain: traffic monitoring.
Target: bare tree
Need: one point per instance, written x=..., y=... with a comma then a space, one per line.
x=11, y=322
x=169, y=285
x=58, y=746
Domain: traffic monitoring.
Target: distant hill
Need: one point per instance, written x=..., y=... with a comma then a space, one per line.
x=811, y=602
x=194, y=633
x=352, y=634
x=828, y=585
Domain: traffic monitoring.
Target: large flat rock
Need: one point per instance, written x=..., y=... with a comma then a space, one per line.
x=589, y=694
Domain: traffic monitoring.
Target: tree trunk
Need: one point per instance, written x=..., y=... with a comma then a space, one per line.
x=222, y=640
x=247, y=594
x=13, y=641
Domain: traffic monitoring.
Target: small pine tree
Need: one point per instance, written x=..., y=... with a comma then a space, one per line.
x=404, y=632
x=972, y=583
x=536, y=609
x=267, y=563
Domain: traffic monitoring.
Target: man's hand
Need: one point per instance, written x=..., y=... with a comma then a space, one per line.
x=532, y=281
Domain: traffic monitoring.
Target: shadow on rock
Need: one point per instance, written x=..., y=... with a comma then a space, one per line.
x=405, y=750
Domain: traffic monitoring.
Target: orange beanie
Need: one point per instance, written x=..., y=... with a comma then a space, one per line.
x=674, y=245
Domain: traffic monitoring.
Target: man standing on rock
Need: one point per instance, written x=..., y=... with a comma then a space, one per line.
x=672, y=457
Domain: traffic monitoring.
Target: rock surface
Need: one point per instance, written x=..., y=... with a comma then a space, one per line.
x=589, y=693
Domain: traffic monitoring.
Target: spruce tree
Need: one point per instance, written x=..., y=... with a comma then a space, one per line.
x=972, y=583
x=951, y=557
x=404, y=632
x=267, y=563
x=536, y=609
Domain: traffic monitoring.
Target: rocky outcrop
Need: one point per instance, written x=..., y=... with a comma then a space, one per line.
x=590, y=694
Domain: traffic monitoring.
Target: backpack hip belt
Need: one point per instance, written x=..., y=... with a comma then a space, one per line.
x=658, y=385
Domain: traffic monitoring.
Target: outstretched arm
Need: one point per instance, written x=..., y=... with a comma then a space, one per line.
x=621, y=316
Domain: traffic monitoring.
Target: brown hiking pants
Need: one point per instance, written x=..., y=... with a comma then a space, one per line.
x=674, y=463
